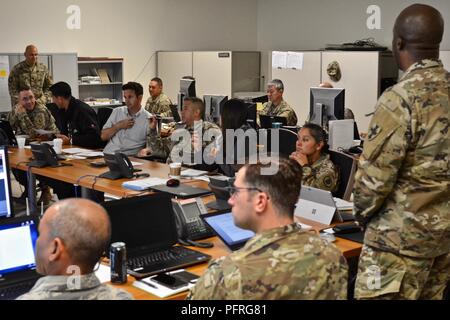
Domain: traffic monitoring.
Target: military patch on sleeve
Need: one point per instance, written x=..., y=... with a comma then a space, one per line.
x=327, y=181
x=374, y=132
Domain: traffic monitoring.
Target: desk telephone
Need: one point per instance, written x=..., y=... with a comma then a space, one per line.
x=119, y=167
x=44, y=155
x=190, y=226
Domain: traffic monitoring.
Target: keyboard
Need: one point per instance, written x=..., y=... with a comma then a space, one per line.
x=14, y=291
x=165, y=260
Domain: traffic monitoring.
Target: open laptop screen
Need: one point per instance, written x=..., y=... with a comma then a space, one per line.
x=223, y=225
x=145, y=222
x=17, y=245
x=5, y=185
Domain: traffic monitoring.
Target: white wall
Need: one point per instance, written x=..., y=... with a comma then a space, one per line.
x=132, y=29
x=310, y=24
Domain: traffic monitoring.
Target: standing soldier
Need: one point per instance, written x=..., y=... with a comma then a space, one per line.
x=30, y=73
x=402, y=190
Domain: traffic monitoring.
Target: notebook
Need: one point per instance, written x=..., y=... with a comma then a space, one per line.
x=17, y=261
x=147, y=226
x=223, y=225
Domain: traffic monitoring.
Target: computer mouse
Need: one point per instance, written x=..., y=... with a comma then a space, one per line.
x=173, y=183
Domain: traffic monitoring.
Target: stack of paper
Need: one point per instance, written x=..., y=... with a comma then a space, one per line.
x=192, y=173
x=143, y=184
x=159, y=290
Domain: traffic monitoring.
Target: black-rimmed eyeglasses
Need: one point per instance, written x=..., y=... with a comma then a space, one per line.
x=234, y=190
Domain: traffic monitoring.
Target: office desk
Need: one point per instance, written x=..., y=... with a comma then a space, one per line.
x=71, y=174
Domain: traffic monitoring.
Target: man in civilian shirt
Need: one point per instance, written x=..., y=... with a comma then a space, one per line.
x=81, y=127
x=127, y=127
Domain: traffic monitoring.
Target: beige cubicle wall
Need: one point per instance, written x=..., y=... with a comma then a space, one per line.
x=215, y=72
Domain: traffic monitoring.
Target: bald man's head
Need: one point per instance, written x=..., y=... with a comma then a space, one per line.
x=31, y=55
x=84, y=228
x=418, y=30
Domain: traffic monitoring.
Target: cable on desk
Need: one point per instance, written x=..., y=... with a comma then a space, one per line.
x=77, y=183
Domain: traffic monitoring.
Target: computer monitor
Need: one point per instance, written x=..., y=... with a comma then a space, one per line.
x=187, y=90
x=6, y=207
x=213, y=107
x=326, y=104
x=266, y=122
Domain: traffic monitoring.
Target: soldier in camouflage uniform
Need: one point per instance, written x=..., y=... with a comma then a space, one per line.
x=281, y=261
x=33, y=74
x=73, y=234
x=158, y=103
x=318, y=170
x=276, y=105
x=193, y=108
x=402, y=189
x=29, y=115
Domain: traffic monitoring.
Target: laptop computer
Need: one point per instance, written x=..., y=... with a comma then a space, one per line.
x=17, y=261
x=223, y=225
x=147, y=226
x=320, y=206
x=266, y=121
x=183, y=191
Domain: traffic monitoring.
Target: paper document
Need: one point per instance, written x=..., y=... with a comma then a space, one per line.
x=143, y=184
x=193, y=173
x=103, y=273
x=161, y=291
x=279, y=59
x=90, y=154
x=294, y=60
x=75, y=150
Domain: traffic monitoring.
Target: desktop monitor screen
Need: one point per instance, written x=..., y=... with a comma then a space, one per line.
x=251, y=114
x=326, y=104
x=6, y=208
x=187, y=88
x=213, y=107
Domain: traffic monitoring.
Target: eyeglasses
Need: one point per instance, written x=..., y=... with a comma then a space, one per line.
x=234, y=190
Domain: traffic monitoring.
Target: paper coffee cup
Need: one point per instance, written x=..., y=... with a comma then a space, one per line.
x=21, y=142
x=175, y=170
x=57, y=145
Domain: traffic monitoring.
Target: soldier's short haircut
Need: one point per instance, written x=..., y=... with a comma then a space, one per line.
x=283, y=188
x=157, y=80
x=318, y=134
x=24, y=88
x=61, y=89
x=196, y=103
x=134, y=86
x=277, y=83
x=84, y=243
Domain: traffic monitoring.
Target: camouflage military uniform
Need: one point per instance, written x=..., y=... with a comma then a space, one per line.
x=67, y=288
x=159, y=106
x=165, y=147
x=322, y=174
x=282, y=110
x=402, y=189
x=281, y=263
x=36, y=77
x=28, y=121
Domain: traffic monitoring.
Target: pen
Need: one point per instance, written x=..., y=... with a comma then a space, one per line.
x=150, y=285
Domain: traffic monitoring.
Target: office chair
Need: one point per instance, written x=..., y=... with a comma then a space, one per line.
x=287, y=141
x=347, y=166
x=175, y=114
x=103, y=115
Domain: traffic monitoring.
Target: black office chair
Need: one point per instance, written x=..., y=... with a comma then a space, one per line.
x=347, y=166
x=103, y=115
x=287, y=141
x=175, y=114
